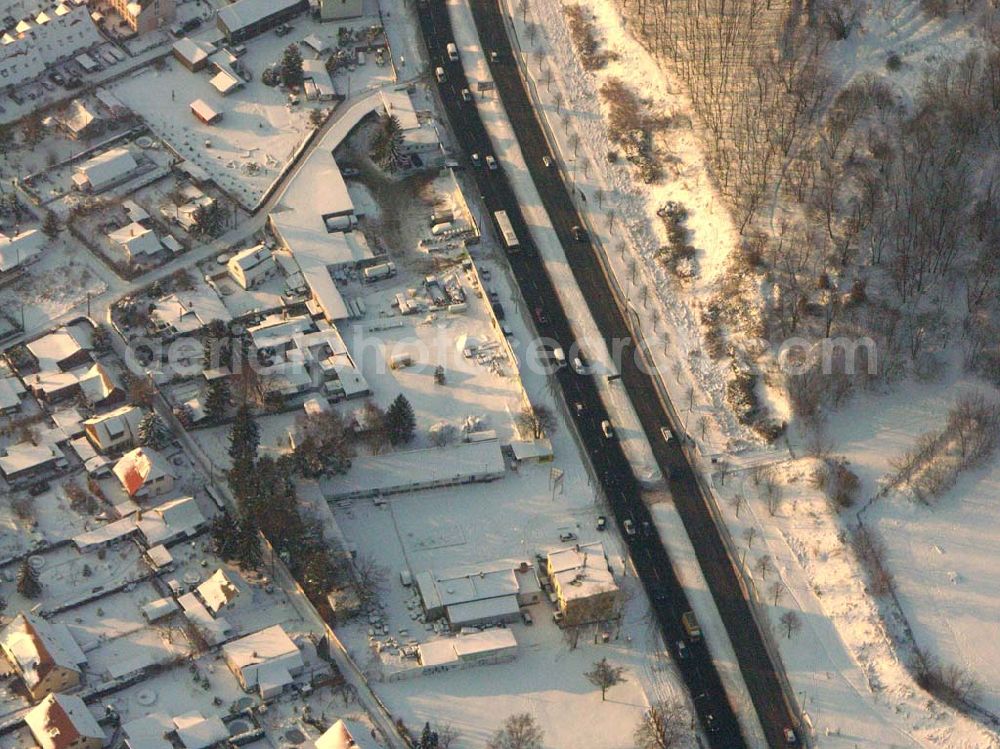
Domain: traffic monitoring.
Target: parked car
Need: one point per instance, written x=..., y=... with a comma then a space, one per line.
x=526, y=617
x=565, y=536
x=56, y=77
x=349, y=172
x=602, y=523
x=283, y=30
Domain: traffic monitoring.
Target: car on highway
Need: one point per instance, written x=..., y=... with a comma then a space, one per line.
x=349, y=172
x=439, y=74
x=578, y=407
x=491, y=163
x=602, y=523
x=689, y=623
x=475, y=159
x=667, y=434
x=790, y=738
x=629, y=526
x=546, y=162
x=466, y=95
x=540, y=317
x=608, y=430
x=682, y=650
x=579, y=233
x=580, y=365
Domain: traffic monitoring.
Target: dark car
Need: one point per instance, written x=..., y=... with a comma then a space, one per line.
x=56, y=77
x=191, y=25
x=499, y=311
x=579, y=233
x=602, y=523
x=540, y=317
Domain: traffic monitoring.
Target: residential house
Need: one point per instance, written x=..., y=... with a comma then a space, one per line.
x=43, y=653
x=27, y=459
x=11, y=395
x=585, y=588
x=252, y=266
x=78, y=121
x=105, y=171
x=143, y=472
x=143, y=16
x=192, y=54
x=138, y=243
x=266, y=661
x=114, y=430
x=18, y=251
x=172, y=520
x=217, y=592
x=347, y=734
x=63, y=721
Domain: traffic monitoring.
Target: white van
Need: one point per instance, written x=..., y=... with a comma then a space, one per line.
x=439, y=74
x=452, y=52
x=405, y=578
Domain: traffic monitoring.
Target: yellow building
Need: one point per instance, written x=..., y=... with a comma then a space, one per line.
x=144, y=15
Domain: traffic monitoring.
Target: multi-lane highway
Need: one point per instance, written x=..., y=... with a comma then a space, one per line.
x=620, y=486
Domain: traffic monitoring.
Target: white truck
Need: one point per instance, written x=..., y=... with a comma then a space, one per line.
x=378, y=272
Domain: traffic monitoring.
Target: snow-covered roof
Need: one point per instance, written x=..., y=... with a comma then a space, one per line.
x=187, y=311
x=11, y=390
x=138, y=467
x=109, y=428
x=217, y=591
x=192, y=51
x=35, y=645
x=531, y=449
x=225, y=83
x=260, y=647
x=466, y=647
x=148, y=732
x=77, y=117
x=244, y=13
x=468, y=583
x=57, y=347
x=248, y=259
x=136, y=239
x=135, y=211
x=203, y=110
x=175, y=518
x=581, y=571
x=346, y=734
x=105, y=534
x=106, y=168
x=316, y=44
x=195, y=731
x=97, y=383
x=17, y=250
x=160, y=556
x=61, y=721
x=25, y=456
x=398, y=103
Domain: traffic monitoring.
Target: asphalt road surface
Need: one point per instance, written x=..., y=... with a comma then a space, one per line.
x=620, y=486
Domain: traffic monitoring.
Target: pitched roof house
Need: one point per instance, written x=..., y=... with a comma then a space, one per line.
x=63, y=721
x=44, y=654
x=144, y=472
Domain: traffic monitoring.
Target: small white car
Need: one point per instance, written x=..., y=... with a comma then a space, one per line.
x=491, y=163
x=466, y=95
x=667, y=434
x=608, y=430
x=629, y=526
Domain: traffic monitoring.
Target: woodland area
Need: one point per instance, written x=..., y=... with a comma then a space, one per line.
x=865, y=211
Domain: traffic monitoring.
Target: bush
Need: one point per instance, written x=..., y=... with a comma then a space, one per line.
x=893, y=62
x=581, y=31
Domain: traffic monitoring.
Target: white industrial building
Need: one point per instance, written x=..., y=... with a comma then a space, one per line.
x=476, y=595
